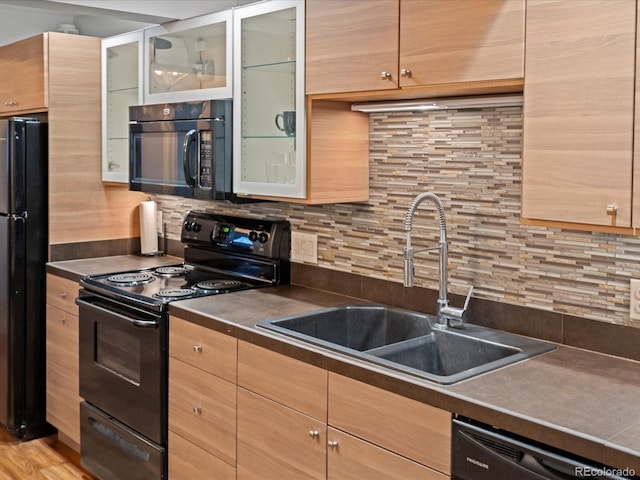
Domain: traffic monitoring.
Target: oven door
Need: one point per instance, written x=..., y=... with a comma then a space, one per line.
x=123, y=363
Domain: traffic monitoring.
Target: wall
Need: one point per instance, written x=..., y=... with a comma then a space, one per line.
x=472, y=160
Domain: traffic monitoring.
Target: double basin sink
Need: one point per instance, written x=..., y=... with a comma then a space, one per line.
x=408, y=341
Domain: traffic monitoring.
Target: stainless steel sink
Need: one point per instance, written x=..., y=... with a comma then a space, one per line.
x=409, y=341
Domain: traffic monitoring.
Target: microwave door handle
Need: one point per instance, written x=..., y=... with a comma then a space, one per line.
x=189, y=138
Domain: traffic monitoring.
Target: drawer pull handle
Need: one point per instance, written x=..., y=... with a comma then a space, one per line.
x=197, y=410
x=314, y=433
x=63, y=295
x=385, y=75
x=405, y=72
x=333, y=443
x=612, y=210
x=63, y=320
x=197, y=348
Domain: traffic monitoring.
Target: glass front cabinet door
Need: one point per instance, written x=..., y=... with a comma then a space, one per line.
x=121, y=78
x=269, y=115
x=189, y=59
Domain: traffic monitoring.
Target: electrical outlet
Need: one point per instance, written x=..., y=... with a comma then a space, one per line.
x=634, y=299
x=304, y=247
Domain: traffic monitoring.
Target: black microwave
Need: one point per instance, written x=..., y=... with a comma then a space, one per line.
x=182, y=149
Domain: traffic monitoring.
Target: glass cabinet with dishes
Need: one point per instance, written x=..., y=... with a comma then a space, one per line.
x=121, y=82
x=189, y=59
x=269, y=115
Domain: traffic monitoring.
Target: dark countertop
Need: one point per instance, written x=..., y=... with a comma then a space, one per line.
x=577, y=400
x=75, y=269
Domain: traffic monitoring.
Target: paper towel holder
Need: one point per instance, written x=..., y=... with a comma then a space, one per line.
x=156, y=252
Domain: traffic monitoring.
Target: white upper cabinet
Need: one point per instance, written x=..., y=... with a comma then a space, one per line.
x=121, y=88
x=268, y=103
x=189, y=59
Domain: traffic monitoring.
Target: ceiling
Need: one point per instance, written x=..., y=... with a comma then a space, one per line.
x=100, y=18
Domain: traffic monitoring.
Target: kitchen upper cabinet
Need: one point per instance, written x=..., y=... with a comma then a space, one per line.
x=269, y=102
x=121, y=88
x=579, y=111
x=412, y=43
x=454, y=41
x=189, y=59
x=62, y=384
x=22, y=76
x=352, y=45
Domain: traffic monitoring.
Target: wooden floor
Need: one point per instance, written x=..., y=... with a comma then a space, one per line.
x=41, y=459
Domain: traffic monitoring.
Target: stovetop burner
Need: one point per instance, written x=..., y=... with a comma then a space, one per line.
x=220, y=285
x=171, y=271
x=174, y=293
x=130, y=279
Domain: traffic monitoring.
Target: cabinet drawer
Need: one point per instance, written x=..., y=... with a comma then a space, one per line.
x=188, y=462
x=62, y=293
x=410, y=428
x=202, y=409
x=353, y=459
x=286, y=380
x=203, y=348
x=62, y=389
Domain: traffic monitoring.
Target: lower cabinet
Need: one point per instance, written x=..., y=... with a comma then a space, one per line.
x=202, y=402
x=277, y=442
x=350, y=458
x=341, y=429
x=62, y=387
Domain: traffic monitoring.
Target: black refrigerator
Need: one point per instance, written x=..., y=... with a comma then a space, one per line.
x=23, y=254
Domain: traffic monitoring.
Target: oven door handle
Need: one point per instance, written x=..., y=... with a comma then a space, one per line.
x=136, y=322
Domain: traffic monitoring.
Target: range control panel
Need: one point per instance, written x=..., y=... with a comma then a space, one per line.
x=266, y=238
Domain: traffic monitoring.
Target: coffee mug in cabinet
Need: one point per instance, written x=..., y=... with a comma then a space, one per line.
x=288, y=122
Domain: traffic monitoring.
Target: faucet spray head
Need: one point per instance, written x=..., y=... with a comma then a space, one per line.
x=408, y=267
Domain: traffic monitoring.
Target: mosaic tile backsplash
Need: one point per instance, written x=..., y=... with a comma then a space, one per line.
x=472, y=160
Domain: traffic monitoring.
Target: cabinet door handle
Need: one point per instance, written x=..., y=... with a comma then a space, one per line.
x=385, y=76
x=62, y=320
x=612, y=210
x=197, y=410
x=197, y=348
x=333, y=443
x=405, y=72
x=62, y=295
x=314, y=433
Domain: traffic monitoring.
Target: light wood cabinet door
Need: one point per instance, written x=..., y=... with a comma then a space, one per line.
x=276, y=442
x=62, y=293
x=349, y=44
x=211, y=351
x=452, y=41
x=578, y=111
x=62, y=387
x=22, y=76
x=349, y=458
x=188, y=461
x=286, y=380
x=202, y=409
x=399, y=424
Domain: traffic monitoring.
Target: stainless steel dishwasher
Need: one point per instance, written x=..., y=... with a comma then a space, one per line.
x=480, y=452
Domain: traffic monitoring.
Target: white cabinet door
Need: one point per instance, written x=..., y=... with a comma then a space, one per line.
x=269, y=103
x=189, y=59
x=121, y=88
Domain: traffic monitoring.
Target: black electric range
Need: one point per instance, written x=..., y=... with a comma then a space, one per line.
x=124, y=336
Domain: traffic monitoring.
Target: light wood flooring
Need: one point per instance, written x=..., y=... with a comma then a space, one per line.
x=41, y=459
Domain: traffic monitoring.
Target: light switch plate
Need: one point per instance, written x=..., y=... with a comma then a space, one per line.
x=304, y=247
x=634, y=299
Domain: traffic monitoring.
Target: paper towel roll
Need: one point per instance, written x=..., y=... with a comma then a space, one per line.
x=148, y=229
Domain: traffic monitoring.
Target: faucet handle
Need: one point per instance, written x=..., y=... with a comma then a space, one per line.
x=454, y=315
